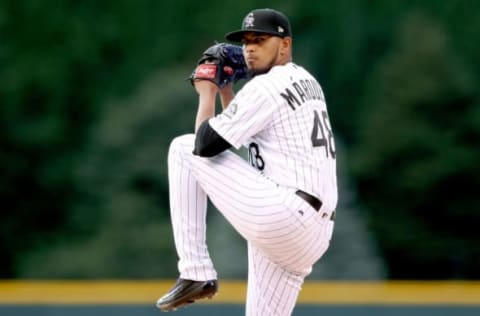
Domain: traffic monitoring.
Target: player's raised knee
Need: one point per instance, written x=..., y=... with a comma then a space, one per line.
x=184, y=143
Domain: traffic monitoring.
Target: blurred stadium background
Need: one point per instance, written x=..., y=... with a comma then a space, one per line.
x=92, y=92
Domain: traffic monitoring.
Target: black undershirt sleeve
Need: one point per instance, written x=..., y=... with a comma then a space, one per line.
x=207, y=141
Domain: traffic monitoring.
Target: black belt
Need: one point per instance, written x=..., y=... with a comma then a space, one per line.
x=314, y=202
x=310, y=199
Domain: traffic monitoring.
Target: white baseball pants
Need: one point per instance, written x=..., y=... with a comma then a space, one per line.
x=285, y=235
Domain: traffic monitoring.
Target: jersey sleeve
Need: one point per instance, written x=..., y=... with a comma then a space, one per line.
x=246, y=115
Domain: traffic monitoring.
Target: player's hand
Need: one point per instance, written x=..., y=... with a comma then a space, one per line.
x=205, y=87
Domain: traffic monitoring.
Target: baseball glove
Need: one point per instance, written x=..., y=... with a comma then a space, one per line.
x=222, y=64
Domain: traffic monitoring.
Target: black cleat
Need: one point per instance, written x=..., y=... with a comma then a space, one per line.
x=186, y=292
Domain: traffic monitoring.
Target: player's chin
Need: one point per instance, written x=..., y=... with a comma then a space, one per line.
x=254, y=71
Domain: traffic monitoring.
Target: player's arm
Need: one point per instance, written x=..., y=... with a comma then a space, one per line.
x=207, y=93
x=208, y=142
x=226, y=95
x=220, y=66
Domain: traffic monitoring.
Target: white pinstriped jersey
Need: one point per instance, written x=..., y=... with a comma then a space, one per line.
x=281, y=116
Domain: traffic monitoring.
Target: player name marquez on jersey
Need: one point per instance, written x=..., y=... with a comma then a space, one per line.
x=301, y=91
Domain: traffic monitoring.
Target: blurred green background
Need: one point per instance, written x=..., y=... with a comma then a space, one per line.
x=92, y=92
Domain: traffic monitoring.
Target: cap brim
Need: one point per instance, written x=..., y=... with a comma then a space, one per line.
x=237, y=36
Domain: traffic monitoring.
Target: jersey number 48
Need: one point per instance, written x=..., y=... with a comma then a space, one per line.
x=321, y=123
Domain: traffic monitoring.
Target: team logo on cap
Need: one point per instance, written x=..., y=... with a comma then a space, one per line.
x=248, y=21
x=280, y=29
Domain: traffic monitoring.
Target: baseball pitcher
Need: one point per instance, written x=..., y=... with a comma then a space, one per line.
x=282, y=200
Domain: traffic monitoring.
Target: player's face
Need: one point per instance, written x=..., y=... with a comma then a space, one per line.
x=261, y=52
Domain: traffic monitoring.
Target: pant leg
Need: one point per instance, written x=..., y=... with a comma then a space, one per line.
x=272, y=290
x=233, y=186
x=188, y=211
x=268, y=216
x=276, y=272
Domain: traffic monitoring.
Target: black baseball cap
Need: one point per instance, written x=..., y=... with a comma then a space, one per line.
x=267, y=21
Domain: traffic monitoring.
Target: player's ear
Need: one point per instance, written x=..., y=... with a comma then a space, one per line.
x=285, y=46
x=287, y=41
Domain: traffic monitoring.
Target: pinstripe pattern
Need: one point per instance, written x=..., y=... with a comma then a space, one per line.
x=265, y=214
x=285, y=235
x=283, y=135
